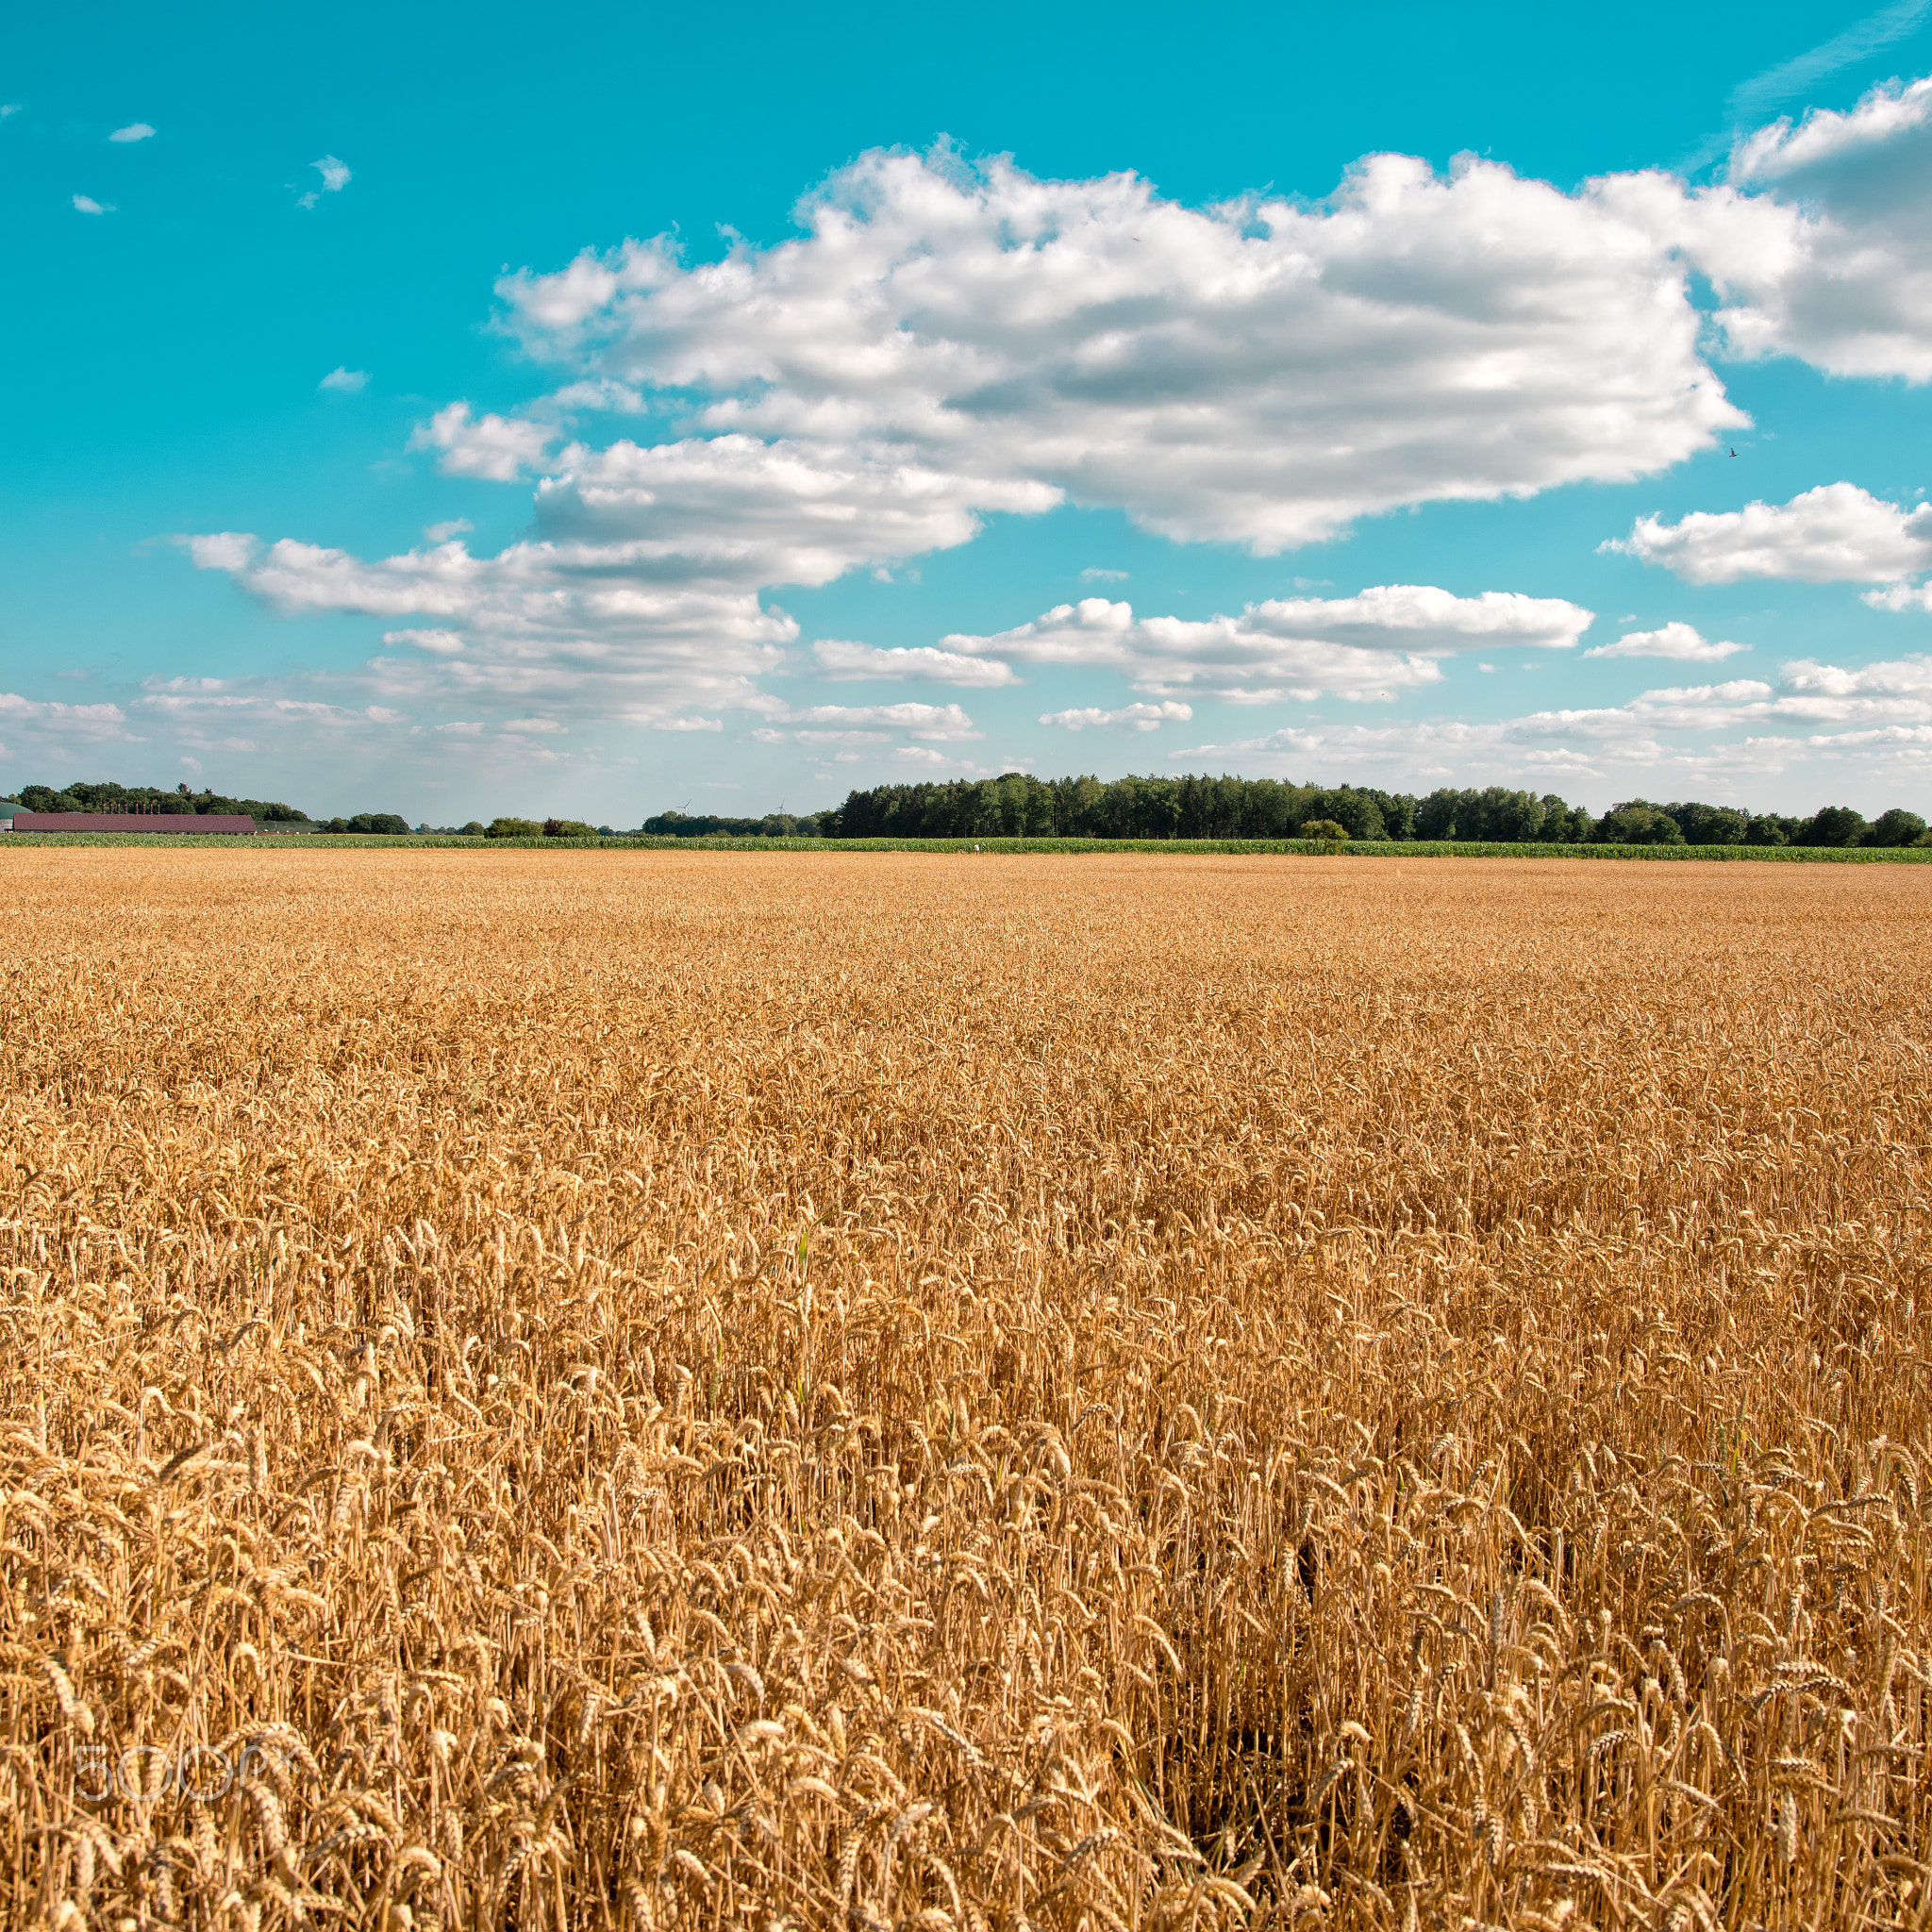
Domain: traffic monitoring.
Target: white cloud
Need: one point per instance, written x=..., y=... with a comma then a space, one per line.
x=565, y=623
x=1367, y=646
x=87, y=205
x=497, y=448
x=1901, y=690
x=348, y=381
x=135, y=130
x=1781, y=152
x=836, y=660
x=81, y=723
x=619, y=398
x=1900, y=598
x=335, y=177
x=920, y=721
x=207, y=704
x=642, y=588
x=230, y=550
x=1683, y=734
x=1141, y=717
x=1894, y=693
x=1835, y=533
x=693, y=724
x=444, y=644
x=778, y=512
x=441, y=533
x=1675, y=640
x=10, y=108
x=1092, y=574
x=1683, y=707
x=1819, y=242
x=1261, y=372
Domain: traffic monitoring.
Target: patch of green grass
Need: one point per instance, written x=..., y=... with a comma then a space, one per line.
x=1314, y=848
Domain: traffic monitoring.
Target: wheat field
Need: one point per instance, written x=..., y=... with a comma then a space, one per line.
x=864, y=1390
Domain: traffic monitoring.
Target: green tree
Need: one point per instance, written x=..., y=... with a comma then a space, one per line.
x=1896, y=828
x=1834, y=824
x=513, y=829
x=1436, y=816
x=1356, y=812
x=1710, y=824
x=1636, y=821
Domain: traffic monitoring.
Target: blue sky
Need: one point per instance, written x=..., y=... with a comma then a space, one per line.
x=455, y=412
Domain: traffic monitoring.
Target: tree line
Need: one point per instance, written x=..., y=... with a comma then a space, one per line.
x=149, y=800
x=1017, y=805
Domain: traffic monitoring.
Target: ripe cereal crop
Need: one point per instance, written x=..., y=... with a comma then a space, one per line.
x=845, y=1390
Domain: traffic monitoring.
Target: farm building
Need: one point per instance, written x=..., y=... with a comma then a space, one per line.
x=177, y=822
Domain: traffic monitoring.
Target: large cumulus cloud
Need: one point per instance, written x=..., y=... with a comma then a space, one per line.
x=1262, y=371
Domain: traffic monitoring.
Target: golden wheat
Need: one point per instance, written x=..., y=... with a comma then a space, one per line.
x=691, y=1390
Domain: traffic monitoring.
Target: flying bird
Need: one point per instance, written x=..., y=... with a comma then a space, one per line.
x=1733, y=451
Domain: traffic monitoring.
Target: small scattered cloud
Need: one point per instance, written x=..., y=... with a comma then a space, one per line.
x=10, y=108
x=1836, y=533
x=867, y=724
x=335, y=177
x=1679, y=640
x=494, y=448
x=444, y=644
x=695, y=724
x=1095, y=576
x=347, y=381
x=230, y=550
x=839, y=660
x=618, y=398
x=1900, y=598
x=135, y=130
x=1136, y=717
x=87, y=205
x=441, y=533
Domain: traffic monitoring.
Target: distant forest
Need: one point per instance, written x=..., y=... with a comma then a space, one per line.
x=1020, y=806
x=108, y=797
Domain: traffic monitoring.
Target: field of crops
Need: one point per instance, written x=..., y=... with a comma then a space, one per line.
x=660, y=1390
